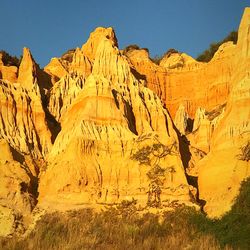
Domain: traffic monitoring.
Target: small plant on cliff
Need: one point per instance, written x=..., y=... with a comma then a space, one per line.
x=157, y=59
x=245, y=152
x=151, y=156
x=132, y=47
x=156, y=176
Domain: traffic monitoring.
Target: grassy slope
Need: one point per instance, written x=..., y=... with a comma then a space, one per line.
x=123, y=227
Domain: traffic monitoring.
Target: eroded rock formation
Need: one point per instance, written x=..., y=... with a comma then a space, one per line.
x=93, y=127
x=113, y=119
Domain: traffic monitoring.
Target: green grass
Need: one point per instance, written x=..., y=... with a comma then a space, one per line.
x=234, y=227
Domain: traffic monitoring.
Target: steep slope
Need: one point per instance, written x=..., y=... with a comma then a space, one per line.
x=7, y=73
x=216, y=96
x=230, y=136
x=102, y=134
x=17, y=191
x=179, y=79
x=25, y=140
x=96, y=156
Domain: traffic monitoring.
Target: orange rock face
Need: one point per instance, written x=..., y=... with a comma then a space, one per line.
x=179, y=79
x=110, y=121
x=102, y=125
x=230, y=135
x=7, y=73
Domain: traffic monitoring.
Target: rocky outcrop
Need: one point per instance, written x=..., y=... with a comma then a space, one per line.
x=27, y=74
x=63, y=93
x=24, y=141
x=56, y=69
x=221, y=172
x=216, y=96
x=30, y=75
x=81, y=64
x=178, y=60
x=102, y=134
x=181, y=120
x=155, y=77
x=117, y=141
x=17, y=191
x=179, y=79
x=90, y=47
x=7, y=73
x=22, y=121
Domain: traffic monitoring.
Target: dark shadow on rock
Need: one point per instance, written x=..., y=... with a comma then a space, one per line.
x=193, y=180
x=184, y=149
x=186, y=157
x=32, y=188
x=131, y=117
x=17, y=156
x=183, y=145
x=114, y=93
x=138, y=75
x=190, y=125
x=53, y=125
x=129, y=114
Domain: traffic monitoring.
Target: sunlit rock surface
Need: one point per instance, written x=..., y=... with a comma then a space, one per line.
x=100, y=125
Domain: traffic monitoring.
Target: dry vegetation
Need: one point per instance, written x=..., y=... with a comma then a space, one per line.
x=124, y=227
x=245, y=152
x=115, y=228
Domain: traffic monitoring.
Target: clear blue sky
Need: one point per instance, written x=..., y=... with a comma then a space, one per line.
x=51, y=27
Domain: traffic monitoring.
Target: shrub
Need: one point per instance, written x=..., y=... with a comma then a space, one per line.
x=111, y=229
x=245, y=152
x=132, y=47
x=208, y=54
x=234, y=227
x=150, y=156
x=9, y=60
x=68, y=55
x=157, y=59
x=123, y=227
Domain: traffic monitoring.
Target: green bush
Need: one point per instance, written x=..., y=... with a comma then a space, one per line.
x=234, y=227
x=157, y=59
x=132, y=47
x=208, y=54
x=9, y=60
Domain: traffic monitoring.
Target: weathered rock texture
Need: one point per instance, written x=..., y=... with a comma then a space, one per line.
x=179, y=79
x=93, y=128
x=111, y=118
x=24, y=141
x=7, y=73
x=216, y=96
x=221, y=172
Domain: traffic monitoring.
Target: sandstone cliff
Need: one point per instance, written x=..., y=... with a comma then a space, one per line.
x=25, y=140
x=215, y=96
x=112, y=120
x=96, y=127
x=230, y=136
